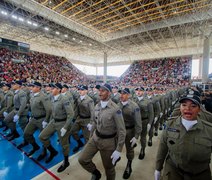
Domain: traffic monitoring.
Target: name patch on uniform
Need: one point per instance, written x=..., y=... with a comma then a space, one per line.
x=173, y=130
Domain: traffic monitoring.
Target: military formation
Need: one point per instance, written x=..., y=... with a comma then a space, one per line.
x=109, y=117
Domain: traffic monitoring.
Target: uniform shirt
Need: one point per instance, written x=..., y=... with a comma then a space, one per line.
x=86, y=107
x=62, y=109
x=40, y=105
x=146, y=109
x=109, y=120
x=189, y=150
x=156, y=106
x=8, y=102
x=20, y=102
x=1, y=98
x=115, y=98
x=132, y=116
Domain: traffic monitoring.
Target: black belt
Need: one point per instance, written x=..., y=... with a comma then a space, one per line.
x=60, y=120
x=17, y=109
x=103, y=136
x=130, y=127
x=84, y=117
x=39, y=117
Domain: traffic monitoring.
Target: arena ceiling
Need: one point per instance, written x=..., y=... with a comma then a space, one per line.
x=126, y=30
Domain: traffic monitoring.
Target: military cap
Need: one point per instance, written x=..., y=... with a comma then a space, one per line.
x=125, y=91
x=97, y=86
x=194, y=92
x=149, y=89
x=106, y=87
x=65, y=86
x=140, y=88
x=17, y=82
x=82, y=87
x=115, y=87
x=36, y=84
x=7, y=85
x=57, y=85
x=195, y=99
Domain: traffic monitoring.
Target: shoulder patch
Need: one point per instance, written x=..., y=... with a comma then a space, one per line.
x=119, y=112
x=137, y=109
x=66, y=103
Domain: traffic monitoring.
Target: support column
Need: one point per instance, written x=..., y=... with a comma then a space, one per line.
x=206, y=58
x=105, y=67
x=200, y=67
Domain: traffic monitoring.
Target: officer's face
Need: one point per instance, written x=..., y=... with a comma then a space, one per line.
x=55, y=91
x=104, y=94
x=139, y=93
x=82, y=92
x=64, y=90
x=189, y=110
x=35, y=89
x=124, y=97
x=5, y=88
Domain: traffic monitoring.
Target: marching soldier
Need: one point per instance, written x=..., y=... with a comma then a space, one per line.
x=107, y=136
x=19, y=113
x=85, y=114
x=115, y=97
x=7, y=105
x=132, y=118
x=147, y=116
x=61, y=121
x=40, y=106
x=187, y=131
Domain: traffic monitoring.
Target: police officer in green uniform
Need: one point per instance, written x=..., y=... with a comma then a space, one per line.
x=147, y=116
x=61, y=121
x=65, y=92
x=107, y=136
x=19, y=113
x=40, y=107
x=157, y=110
x=185, y=145
x=132, y=119
x=85, y=114
x=7, y=105
x=115, y=96
x=95, y=94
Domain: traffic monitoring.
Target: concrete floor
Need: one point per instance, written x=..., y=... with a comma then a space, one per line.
x=142, y=169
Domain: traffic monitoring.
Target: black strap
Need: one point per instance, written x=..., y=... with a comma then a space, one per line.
x=103, y=136
x=59, y=120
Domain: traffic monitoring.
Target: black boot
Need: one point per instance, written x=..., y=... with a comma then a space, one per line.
x=25, y=143
x=14, y=135
x=142, y=154
x=42, y=155
x=128, y=170
x=53, y=153
x=5, y=129
x=161, y=127
x=156, y=133
x=96, y=175
x=150, y=142
x=64, y=165
x=80, y=144
x=34, y=149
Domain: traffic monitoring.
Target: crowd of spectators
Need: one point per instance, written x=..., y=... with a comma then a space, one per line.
x=38, y=66
x=165, y=71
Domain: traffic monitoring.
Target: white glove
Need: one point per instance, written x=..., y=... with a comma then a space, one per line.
x=172, y=103
x=16, y=118
x=44, y=124
x=169, y=109
x=115, y=156
x=133, y=141
x=155, y=120
x=30, y=119
x=5, y=114
x=161, y=114
x=63, y=131
x=89, y=127
x=166, y=111
x=148, y=127
x=157, y=175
